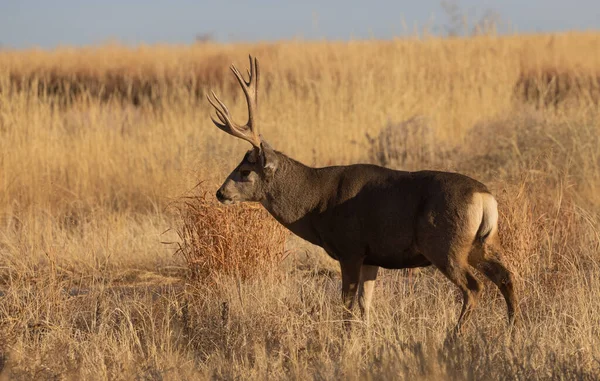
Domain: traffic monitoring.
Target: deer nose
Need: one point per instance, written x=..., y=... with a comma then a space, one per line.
x=220, y=196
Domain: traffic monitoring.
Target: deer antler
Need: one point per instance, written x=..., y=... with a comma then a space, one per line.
x=249, y=131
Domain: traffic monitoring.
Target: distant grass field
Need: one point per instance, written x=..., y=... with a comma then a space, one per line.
x=102, y=150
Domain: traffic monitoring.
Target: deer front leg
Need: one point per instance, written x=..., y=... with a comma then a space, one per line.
x=368, y=274
x=350, y=279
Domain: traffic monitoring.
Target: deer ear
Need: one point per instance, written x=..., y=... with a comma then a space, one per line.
x=268, y=158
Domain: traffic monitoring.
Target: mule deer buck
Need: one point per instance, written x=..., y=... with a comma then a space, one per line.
x=367, y=216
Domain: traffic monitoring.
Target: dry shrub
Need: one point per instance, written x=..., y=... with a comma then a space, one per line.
x=240, y=240
x=557, y=153
x=405, y=145
x=556, y=87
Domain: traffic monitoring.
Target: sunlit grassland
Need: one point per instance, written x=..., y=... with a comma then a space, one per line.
x=98, y=146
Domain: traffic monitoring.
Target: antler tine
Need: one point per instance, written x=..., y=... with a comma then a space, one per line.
x=249, y=131
x=250, y=89
x=226, y=124
x=223, y=108
x=222, y=113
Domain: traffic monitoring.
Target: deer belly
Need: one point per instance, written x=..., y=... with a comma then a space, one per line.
x=398, y=259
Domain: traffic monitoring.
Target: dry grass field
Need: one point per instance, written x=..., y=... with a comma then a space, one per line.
x=117, y=263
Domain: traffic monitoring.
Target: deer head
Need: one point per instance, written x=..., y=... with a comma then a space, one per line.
x=248, y=180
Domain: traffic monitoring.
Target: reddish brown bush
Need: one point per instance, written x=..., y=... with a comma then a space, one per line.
x=241, y=240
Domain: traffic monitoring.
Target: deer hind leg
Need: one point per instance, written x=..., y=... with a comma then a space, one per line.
x=350, y=280
x=452, y=262
x=368, y=275
x=486, y=259
x=461, y=276
x=451, y=258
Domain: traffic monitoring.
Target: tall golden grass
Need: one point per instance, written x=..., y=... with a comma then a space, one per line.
x=98, y=146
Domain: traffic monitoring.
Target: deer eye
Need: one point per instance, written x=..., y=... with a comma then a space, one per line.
x=245, y=173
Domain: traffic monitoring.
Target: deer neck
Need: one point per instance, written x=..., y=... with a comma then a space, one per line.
x=293, y=192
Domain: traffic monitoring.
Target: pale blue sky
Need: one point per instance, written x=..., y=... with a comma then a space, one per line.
x=48, y=23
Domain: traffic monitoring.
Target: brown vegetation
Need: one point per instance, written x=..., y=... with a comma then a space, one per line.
x=88, y=185
x=216, y=240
